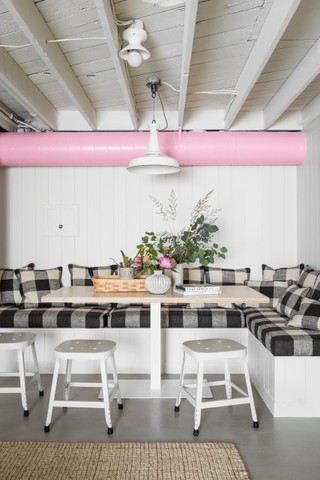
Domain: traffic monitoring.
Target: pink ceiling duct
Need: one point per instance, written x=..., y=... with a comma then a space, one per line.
x=61, y=149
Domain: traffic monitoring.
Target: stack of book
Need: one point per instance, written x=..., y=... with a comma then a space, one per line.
x=197, y=289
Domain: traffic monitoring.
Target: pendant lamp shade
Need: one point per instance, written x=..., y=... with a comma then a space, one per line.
x=153, y=162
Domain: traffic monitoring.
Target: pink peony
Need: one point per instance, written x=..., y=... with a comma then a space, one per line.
x=137, y=261
x=165, y=262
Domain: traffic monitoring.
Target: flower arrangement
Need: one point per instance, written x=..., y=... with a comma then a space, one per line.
x=192, y=242
x=148, y=258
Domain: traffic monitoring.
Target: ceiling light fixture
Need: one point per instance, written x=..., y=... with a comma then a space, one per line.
x=154, y=162
x=134, y=52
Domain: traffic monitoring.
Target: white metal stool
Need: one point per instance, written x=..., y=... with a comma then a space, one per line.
x=20, y=341
x=71, y=350
x=215, y=349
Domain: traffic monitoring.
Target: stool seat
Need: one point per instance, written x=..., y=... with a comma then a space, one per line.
x=85, y=349
x=20, y=341
x=101, y=350
x=215, y=349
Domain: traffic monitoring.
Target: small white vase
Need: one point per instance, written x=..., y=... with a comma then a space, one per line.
x=177, y=276
x=126, y=273
x=158, y=283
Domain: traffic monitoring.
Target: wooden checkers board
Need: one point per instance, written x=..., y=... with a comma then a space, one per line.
x=112, y=283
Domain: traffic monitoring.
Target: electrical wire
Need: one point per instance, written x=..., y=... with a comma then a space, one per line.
x=208, y=92
x=75, y=39
x=17, y=46
x=120, y=23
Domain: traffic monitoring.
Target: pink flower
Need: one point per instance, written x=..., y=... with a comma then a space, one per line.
x=165, y=262
x=137, y=261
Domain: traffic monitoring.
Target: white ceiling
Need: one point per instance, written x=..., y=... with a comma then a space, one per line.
x=266, y=50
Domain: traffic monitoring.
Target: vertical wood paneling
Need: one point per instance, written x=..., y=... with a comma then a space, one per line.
x=257, y=220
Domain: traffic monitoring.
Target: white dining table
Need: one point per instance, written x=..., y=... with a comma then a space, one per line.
x=156, y=388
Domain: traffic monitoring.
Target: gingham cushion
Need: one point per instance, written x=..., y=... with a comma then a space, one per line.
x=80, y=276
x=36, y=283
x=9, y=286
x=82, y=317
x=284, y=274
x=227, y=276
x=308, y=277
x=273, y=290
x=315, y=292
x=289, y=303
x=308, y=316
x=210, y=305
x=193, y=275
x=177, y=316
x=280, y=339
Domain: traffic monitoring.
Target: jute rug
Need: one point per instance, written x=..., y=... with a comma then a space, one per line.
x=120, y=461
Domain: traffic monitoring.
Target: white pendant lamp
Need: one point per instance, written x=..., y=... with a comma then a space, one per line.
x=134, y=52
x=153, y=162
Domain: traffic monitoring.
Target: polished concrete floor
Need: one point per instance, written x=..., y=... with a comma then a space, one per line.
x=281, y=449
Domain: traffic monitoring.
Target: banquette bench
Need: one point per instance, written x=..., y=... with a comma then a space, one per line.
x=282, y=336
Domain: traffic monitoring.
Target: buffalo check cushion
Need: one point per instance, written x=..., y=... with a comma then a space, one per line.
x=308, y=316
x=36, y=283
x=308, y=277
x=227, y=276
x=54, y=317
x=271, y=329
x=193, y=275
x=284, y=274
x=9, y=286
x=289, y=303
x=177, y=316
x=80, y=276
x=273, y=290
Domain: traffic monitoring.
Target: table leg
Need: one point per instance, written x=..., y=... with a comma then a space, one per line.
x=155, y=354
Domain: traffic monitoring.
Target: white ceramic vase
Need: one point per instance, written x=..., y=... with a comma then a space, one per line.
x=158, y=283
x=177, y=276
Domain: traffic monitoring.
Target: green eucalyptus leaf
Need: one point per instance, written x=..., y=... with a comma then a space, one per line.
x=223, y=249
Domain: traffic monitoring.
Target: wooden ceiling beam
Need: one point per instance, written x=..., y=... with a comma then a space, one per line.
x=29, y=19
x=300, y=78
x=190, y=18
x=25, y=92
x=277, y=21
x=111, y=32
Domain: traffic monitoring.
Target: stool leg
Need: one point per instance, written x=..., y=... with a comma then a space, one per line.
x=197, y=411
x=103, y=367
x=227, y=379
x=22, y=375
x=52, y=395
x=178, y=400
x=37, y=371
x=250, y=394
x=116, y=381
x=68, y=379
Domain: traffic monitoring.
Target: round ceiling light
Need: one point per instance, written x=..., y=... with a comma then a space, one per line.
x=165, y=3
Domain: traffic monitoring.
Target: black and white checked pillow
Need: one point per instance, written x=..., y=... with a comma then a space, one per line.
x=289, y=303
x=315, y=292
x=193, y=275
x=226, y=276
x=36, y=283
x=284, y=274
x=273, y=290
x=308, y=316
x=80, y=276
x=9, y=286
x=308, y=277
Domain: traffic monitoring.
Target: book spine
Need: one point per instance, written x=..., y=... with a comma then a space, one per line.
x=200, y=289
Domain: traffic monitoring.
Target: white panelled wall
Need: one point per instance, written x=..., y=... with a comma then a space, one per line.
x=257, y=220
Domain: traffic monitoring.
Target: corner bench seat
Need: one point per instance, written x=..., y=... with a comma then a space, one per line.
x=176, y=316
x=282, y=340
x=54, y=317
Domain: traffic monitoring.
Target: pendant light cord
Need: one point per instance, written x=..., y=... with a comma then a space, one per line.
x=164, y=113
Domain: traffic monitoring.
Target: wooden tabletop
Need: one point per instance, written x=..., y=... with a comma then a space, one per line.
x=229, y=294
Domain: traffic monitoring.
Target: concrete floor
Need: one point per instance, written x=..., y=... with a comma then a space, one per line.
x=282, y=448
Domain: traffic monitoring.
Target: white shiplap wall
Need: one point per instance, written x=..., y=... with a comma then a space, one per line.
x=258, y=218
x=308, y=181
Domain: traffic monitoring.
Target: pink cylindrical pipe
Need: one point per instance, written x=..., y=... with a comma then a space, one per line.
x=58, y=149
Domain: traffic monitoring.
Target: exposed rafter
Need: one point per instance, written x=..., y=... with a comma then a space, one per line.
x=277, y=21
x=111, y=32
x=188, y=35
x=20, y=87
x=28, y=17
x=310, y=112
x=299, y=79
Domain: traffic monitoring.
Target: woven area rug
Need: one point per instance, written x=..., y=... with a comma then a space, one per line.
x=120, y=461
